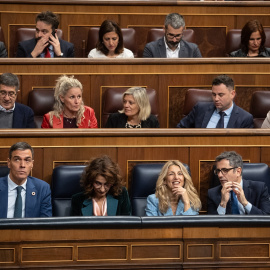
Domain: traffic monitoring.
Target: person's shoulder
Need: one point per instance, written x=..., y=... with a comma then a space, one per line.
x=238, y=53
x=88, y=109
x=66, y=43
x=23, y=107
x=27, y=42
x=214, y=190
x=266, y=52
x=117, y=115
x=189, y=44
x=204, y=105
x=254, y=184
x=37, y=181
x=155, y=42
x=79, y=196
x=242, y=111
x=128, y=53
x=152, y=198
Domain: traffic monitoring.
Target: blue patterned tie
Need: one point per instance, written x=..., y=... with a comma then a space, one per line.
x=234, y=204
x=18, y=203
x=220, y=123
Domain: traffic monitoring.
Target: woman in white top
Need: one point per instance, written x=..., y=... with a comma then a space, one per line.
x=110, y=42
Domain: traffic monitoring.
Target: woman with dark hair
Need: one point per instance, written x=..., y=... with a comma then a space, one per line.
x=252, y=41
x=104, y=194
x=175, y=193
x=110, y=42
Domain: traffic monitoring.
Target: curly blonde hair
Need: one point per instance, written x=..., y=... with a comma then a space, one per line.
x=63, y=84
x=162, y=192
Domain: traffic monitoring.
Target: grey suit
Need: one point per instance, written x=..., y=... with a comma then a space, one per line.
x=157, y=49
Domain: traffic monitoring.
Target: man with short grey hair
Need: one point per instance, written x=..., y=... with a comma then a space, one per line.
x=172, y=45
x=236, y=196
x=13, y=114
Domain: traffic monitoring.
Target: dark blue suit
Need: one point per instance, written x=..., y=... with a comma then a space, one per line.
x=255, y=192
x=157, y=49
x=202, y=113
x=23, y=117
x=26, y=47
x=37, y=201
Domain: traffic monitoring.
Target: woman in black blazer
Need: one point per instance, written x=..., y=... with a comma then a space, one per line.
x=136, y=112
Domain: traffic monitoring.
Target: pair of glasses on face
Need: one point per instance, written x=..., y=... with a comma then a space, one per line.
x=10, y=94
x=223, y=170
x=172, y=36
x=99, y=185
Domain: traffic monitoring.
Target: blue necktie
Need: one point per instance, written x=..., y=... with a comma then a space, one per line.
x=220, y=123
x=234, y=204
x=18, y=203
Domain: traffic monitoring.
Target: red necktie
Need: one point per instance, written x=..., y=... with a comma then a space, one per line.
x=47, y=53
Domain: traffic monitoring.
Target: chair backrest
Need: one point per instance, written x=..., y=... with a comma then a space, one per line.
x=259, y=107
x=41, y=101
x=193, y=96
x=23, y=34
x=144, y=178
x=4, y=170
x=157, y=33
x=233, y=40
x=251, y=171
x=112, y=101
x=65, y=183
x=129, y=39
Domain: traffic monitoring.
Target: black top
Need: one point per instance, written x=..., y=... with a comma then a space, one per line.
x=240, y=53
x=118, y=120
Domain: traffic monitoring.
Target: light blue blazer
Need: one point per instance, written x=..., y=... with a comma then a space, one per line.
x=153, y=210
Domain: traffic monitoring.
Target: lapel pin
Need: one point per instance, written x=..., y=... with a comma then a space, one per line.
x=33, y=193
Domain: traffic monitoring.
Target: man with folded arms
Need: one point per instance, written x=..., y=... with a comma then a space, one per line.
x=22, y=195
x=235, y=195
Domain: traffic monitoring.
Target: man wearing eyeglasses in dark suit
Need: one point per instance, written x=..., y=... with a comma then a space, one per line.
x=172, y=45
x=13, y=114
x=236, y=195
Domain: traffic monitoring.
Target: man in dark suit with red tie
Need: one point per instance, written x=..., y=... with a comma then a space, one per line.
x=235, y=195
x=222, y=112
x=46, y=43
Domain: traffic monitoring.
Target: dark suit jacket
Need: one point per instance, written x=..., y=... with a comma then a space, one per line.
x=23, y=117
x=202, y=112
x=118, y=120
x=26, y=47
x=3, y=51
x=256, y=193
x=37, y=201
x=157, y=49
x=116, y=206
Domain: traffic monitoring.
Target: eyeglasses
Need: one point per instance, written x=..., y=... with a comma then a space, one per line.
x=223, y=170
x=99, y=185
x=174, y=36
x=4, y=93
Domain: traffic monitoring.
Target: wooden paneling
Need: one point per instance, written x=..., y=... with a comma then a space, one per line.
x=209, y=20
x=171, y=78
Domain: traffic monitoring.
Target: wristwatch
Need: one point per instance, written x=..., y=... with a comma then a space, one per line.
x=61, y=55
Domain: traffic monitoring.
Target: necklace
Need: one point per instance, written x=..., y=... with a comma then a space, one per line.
x=68, y=119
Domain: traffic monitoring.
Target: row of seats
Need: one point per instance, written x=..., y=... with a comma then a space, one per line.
x=66, y=182
x=233, y=38
x=41, y=101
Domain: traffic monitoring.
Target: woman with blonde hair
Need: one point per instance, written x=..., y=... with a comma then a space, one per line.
x=69, y=110
x=136, y=112
x=175, y=193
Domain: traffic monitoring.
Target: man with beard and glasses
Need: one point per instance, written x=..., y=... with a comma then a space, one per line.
x=46, y=43
x=172, y=45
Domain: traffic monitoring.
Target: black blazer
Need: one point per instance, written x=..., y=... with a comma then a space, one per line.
x=240, y=53
x=256, y=193
x=3, y=51
x=202, y=113
x=118, y=120
x=23, y=117
x=26, y=47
